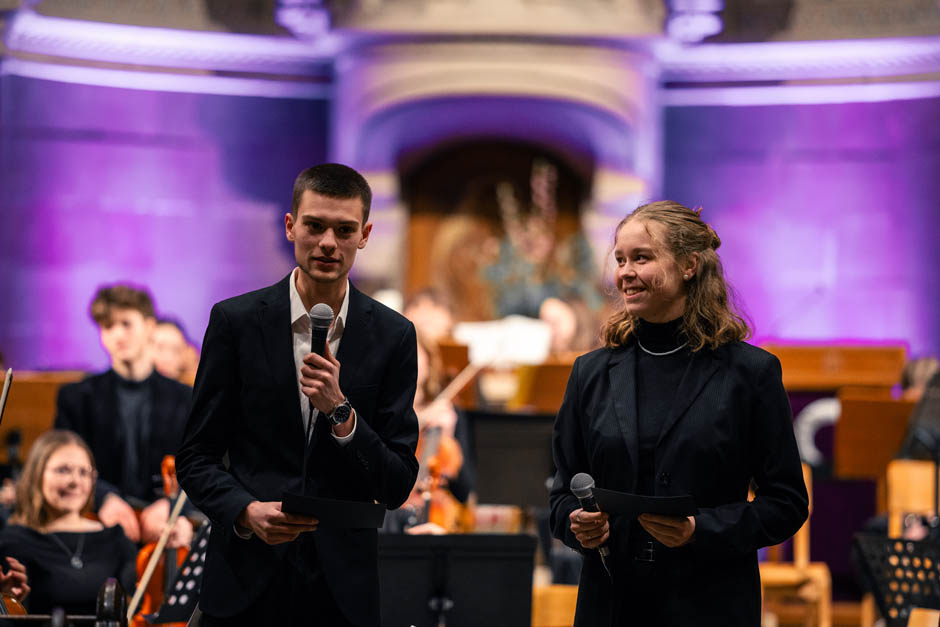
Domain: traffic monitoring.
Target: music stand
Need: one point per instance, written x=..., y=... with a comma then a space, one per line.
x=182, y=596
x=465, y=580
x=513, y=456
x=903, y=574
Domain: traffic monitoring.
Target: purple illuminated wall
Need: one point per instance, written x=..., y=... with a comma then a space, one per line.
x=184, y=193
x=829, y=214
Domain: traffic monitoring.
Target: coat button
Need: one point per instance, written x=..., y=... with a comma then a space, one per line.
x=665, y=478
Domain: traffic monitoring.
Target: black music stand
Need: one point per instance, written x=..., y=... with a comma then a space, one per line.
x=182, y=596
x=513, y=453
x=465, y=580
x=903, y=574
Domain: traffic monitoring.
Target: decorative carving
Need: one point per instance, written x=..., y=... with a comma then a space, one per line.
x=798, y=60
x=30, y=32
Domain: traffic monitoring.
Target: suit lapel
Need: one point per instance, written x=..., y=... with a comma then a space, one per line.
x=622, y=379
x=274, y=317
x=703, y=366
x=357, y=337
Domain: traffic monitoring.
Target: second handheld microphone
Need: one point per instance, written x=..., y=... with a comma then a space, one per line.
x=582, y=486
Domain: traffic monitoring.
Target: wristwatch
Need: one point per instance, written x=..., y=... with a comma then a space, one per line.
x=340, y=413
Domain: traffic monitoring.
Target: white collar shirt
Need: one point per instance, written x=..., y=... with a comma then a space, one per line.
x=302, y=334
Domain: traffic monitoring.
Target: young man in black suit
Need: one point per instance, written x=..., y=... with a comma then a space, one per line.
x=265, y=408
x=131, y=416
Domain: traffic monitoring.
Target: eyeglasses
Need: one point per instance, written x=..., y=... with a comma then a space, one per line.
x=83, y=472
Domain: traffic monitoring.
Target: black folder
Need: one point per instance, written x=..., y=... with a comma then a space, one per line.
x=335, y=513
x=632, y=505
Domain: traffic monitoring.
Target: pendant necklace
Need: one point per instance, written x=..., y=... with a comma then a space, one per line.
x=75, y=559
x=649, y=352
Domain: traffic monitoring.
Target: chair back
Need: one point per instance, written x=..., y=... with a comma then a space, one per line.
x=867, y=436
x=921, y=617
x=554, y=605
x=909, y=491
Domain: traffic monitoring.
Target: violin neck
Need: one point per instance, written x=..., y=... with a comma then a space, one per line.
x=432, y=442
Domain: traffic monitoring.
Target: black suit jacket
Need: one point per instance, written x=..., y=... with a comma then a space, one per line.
x=246, y=405
x=730, y=423
x=90, y=408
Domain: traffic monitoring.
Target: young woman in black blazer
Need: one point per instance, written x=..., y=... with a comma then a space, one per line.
x=675, y=403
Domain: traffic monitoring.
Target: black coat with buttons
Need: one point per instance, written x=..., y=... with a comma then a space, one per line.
x=245, y=441
x=731, y=423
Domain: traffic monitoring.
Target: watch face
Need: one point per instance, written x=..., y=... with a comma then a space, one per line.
x=341, y=414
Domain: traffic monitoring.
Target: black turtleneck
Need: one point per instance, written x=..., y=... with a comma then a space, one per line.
x=134, y=403
x=657, y=376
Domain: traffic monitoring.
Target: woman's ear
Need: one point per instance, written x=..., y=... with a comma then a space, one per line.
x=690, y=267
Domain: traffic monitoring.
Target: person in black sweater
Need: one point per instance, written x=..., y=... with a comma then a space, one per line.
x=67, y=556
x=131, y=416
x=676, y=403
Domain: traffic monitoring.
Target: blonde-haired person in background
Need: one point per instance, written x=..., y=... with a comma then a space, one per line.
x=174, y=356
x=676, y=403
x=67, y=556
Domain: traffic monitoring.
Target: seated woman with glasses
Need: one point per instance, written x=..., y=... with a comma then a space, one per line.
x=67, y=556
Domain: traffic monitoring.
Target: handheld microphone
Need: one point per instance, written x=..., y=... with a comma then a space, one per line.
x=582, y=486
x=321, y=317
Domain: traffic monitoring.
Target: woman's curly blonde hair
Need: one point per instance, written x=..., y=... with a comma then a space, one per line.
x=709, y=318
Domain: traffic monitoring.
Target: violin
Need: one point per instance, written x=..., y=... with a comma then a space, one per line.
x=162, y=563
x=439, y=457
x=9, y=606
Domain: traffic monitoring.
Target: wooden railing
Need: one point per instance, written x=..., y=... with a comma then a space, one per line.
x=31, y=406
x=831, y=367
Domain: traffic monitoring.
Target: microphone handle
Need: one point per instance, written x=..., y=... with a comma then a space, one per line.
x=318, y=340
x=317, y=345
x=588, y=504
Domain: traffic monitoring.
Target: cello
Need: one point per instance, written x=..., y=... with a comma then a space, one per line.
x=156, y=565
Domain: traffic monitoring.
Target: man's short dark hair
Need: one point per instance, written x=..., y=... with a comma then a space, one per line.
x=120, y=296
x=333, y=180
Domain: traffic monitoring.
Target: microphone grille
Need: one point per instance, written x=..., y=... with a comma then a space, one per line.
x=321, y=315
x=582, y=485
